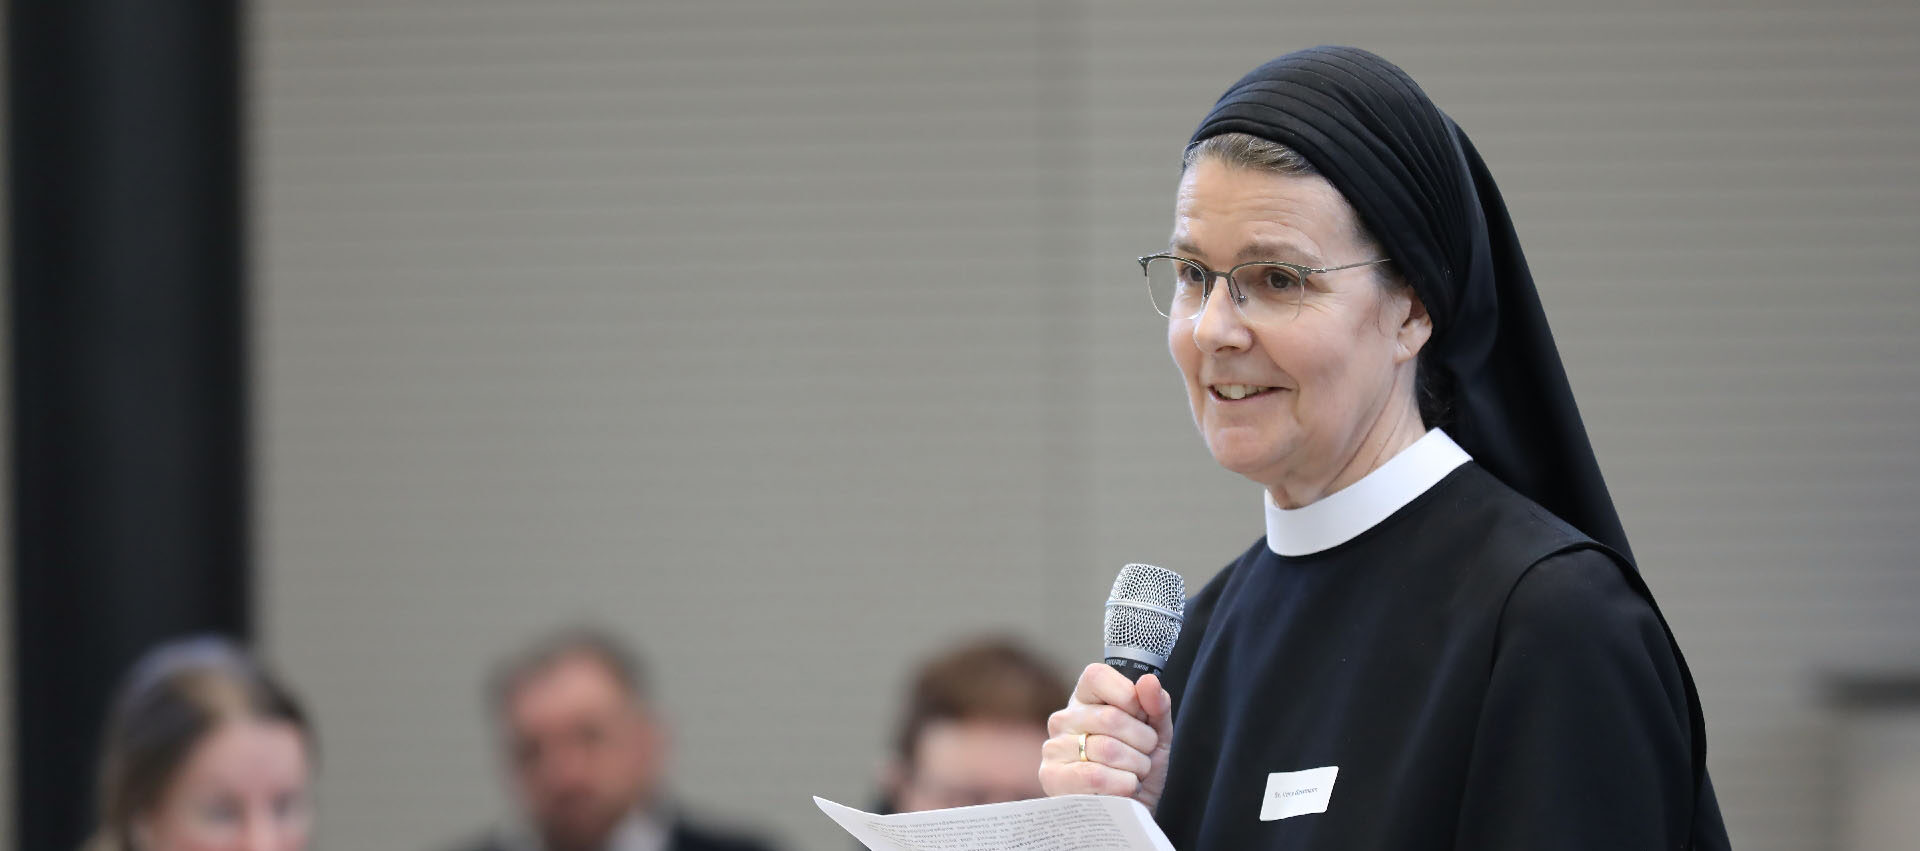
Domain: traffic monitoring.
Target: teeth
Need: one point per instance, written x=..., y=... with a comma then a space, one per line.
x=1237, y=391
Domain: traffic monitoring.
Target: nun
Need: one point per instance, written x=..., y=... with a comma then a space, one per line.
x=1442, y=641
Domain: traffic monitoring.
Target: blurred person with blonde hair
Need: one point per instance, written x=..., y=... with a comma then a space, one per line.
x=586, y=752
x=974, y=717
x=204, y=751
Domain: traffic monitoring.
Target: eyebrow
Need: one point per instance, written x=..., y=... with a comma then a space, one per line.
x=1256, y=251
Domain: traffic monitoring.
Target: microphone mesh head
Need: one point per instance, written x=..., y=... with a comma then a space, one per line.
x=1132, y=620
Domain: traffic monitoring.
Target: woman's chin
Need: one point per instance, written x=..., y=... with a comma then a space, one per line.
x=1238, y=454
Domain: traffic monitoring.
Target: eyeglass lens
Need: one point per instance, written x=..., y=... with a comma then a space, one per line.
x=1181, y=288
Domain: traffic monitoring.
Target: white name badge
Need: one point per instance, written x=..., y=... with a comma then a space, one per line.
x=1298, y=793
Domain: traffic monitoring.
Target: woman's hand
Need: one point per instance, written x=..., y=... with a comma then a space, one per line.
x=1127, y=728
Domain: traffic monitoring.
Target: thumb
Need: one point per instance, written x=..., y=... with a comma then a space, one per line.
x=1158, y=703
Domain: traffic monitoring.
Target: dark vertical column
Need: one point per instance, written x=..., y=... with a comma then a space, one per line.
x=128, y=459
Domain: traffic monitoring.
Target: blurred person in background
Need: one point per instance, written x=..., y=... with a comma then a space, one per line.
x=586, y=752
x=974, y=717
x=204, y=751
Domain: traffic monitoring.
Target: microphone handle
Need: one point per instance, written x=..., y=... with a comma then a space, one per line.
x=1132, y=669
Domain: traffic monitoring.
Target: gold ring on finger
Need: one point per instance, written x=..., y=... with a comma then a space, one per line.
x=1083, y=747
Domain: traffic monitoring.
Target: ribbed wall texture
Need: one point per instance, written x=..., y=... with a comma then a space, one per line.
x=796, y=339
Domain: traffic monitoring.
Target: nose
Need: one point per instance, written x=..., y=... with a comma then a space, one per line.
x=261, y=835
x=1220, y=326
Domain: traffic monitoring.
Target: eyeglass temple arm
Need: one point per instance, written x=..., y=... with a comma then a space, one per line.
x=1352, y=265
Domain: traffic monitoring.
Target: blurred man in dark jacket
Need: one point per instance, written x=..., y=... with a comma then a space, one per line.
x=587, y=753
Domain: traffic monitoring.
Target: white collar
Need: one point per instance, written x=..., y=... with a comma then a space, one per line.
x=1341, y=516
x=639, y=832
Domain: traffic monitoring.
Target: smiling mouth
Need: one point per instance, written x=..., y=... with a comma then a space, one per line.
x=1236, y=392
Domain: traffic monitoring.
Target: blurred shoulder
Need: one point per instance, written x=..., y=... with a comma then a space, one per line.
x=489, y=841
x=693, y=837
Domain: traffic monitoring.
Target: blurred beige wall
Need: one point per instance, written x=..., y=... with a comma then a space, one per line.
x=796, y=339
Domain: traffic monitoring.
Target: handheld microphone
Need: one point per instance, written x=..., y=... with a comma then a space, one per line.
x=1144, y=613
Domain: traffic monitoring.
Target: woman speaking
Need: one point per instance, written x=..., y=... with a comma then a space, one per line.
x=1442, y=640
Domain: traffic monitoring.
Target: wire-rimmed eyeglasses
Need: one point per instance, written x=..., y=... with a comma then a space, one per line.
x=1262, y=289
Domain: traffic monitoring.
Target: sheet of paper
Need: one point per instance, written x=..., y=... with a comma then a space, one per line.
x=1066, y=823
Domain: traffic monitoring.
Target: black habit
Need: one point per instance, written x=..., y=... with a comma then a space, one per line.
x=1483, y=676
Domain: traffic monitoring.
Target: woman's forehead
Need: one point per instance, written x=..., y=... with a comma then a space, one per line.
x=1252, y=248
x=1226, y=214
